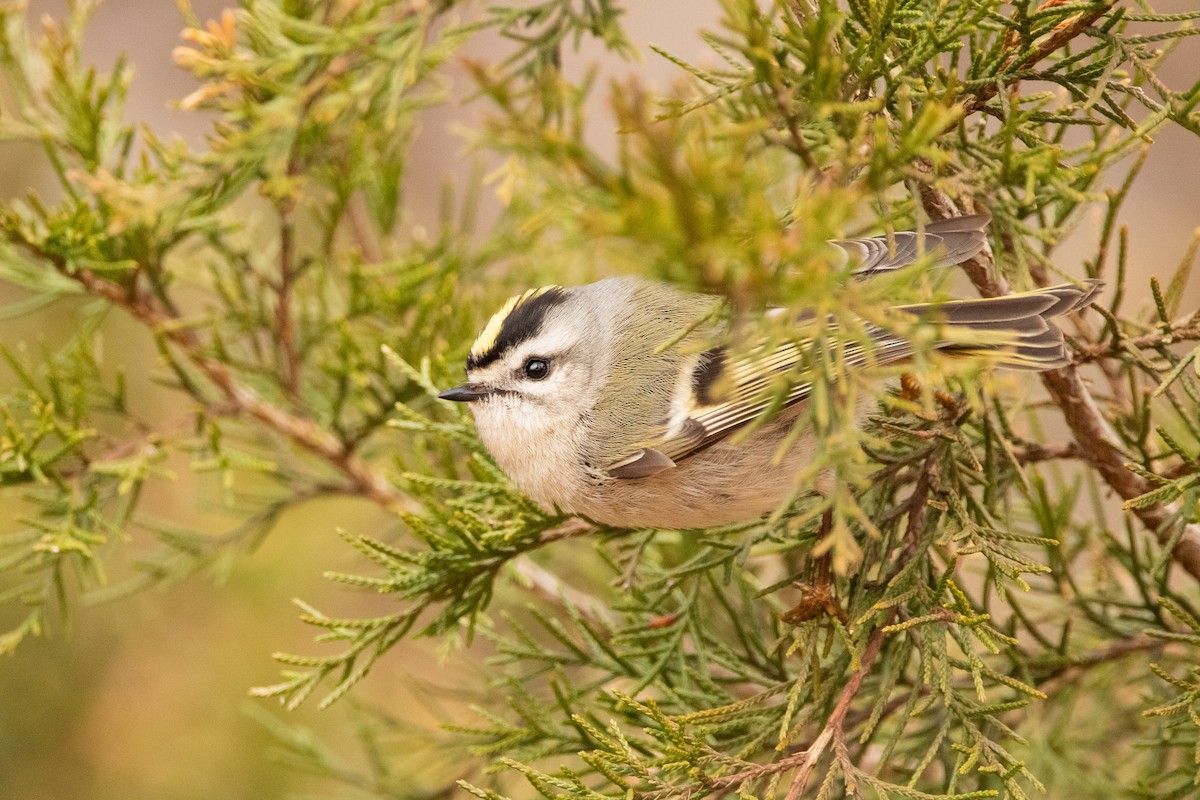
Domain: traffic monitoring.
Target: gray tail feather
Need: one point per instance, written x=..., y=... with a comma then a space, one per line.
x=1036, y=340
x=950, y=241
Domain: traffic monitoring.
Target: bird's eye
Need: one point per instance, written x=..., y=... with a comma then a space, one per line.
x=537, y=369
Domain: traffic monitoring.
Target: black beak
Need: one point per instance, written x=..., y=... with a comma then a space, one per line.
x=466, y=393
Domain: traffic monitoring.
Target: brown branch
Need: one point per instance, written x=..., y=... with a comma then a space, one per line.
x=1064, y=32
x=979, y=267
x=1179, y=470
x=567, y=530
x=833, y=731
x=726, y=782
x=1036, y=452
x=1097, y=441
x=802, y=10
x=302, y=431
x=365, y=481
x=285, y=325
x=805, y=759
x=833, y=726
x=549, y=586
x=796, y=140
x=917, y=506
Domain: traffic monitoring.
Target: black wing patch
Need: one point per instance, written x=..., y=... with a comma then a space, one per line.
x=707, y=374
x=751, y=380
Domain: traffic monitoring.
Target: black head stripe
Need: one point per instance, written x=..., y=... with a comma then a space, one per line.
x=522, y=324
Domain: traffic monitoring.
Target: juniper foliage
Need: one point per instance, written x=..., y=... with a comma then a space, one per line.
x=963, y=599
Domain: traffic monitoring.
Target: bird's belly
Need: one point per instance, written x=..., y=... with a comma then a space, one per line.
x=723, y=484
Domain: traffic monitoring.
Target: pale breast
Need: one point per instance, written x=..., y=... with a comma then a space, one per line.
x=542, y=459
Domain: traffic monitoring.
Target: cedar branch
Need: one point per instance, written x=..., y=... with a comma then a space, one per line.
x=1064, y=32
x=917, y=509
x=143, y=307
x=366, y=482
x=804, y=759
x=1186, y=332
x=833, y=727
x=1097, y=442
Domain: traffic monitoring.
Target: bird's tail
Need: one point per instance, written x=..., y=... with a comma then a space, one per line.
x=947, y=242
x=1018, y=329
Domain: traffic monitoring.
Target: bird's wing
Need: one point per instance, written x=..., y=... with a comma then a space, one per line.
x=727, y=392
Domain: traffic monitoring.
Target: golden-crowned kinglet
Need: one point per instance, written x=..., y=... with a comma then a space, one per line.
x=592, y=402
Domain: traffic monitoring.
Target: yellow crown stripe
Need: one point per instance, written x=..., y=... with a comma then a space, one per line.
x=491, y=332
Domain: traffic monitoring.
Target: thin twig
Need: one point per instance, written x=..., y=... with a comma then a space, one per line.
x=804, y=759
x=917, y=506
x=551, y=587
x=1034, y=453
x=1064, y=32
x=367, y=482
x=567, y=530
x=1150, y=341
x=301, y=430
x=362, y=230
x=797, y=143
x=285, y=324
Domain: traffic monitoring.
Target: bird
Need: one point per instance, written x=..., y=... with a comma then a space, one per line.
x=618, y=400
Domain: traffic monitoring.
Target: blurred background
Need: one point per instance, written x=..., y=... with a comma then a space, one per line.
x=147, y=697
